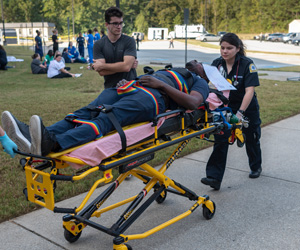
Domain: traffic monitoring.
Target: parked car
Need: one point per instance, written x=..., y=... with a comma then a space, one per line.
x=276, y=37
x=296, y=40
x=221, y=33
x=208, y=38
x=288, y=38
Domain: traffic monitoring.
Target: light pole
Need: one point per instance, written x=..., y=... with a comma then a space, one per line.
x=4, y=37
x=73, y=18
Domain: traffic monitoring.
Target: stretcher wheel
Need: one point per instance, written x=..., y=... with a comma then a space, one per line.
x=71, y=237
x=207, y=214
x=239, y=143
x=128, y=247
x=160, y=199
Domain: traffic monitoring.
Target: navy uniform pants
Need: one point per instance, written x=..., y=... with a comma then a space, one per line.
x=216, y=164
x=81, y=50
x=128, y=109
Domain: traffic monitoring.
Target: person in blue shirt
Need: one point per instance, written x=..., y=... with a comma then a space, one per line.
x=80, y=44
x=90, y=45
x=72, y=50
x=97, y=35
x=38, y=44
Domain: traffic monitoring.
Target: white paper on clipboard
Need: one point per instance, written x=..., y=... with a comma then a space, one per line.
x=216, y=78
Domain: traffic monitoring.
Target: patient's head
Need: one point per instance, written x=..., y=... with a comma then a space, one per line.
x=197, y=67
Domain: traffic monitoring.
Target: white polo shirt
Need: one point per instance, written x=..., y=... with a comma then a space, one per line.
x=54, y=68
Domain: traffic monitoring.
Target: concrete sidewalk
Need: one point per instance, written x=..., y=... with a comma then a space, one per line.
x=261, y=213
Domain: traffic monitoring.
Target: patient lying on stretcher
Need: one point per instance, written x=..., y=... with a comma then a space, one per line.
x=136, y=101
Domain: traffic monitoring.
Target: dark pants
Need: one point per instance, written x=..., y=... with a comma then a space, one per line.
x=43, y=71
x=216, y=164
x=39, y=51
x=61, y=75
x=128, y=109
x=3, y=66
x=55, y=48
x=81, y=50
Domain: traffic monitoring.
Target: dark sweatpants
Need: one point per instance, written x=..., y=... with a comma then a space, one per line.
x=128, y=109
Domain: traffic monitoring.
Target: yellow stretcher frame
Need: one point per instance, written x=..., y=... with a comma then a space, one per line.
x=41, y=184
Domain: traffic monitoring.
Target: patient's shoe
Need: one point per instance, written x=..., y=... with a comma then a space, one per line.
x=17, y=131
x=42, y=141
x=215, y=184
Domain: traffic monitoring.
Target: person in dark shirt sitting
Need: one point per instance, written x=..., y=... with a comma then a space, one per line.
x=36, y=66
x=3, y=58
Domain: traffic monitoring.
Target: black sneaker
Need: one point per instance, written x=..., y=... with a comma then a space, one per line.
x=42, y=141
x=255, y=174
x=213, y=183
x=17, y=131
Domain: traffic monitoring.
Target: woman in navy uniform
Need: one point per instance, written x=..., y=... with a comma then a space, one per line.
x=38, y=44
x=242, y=73
x=55, y=41
x=80, y=43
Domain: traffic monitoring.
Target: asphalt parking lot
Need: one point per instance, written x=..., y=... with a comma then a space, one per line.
x=158, y=53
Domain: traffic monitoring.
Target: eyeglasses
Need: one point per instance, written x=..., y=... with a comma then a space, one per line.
x=122, y=24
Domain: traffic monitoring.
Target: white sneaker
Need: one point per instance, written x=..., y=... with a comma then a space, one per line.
x=17, y=131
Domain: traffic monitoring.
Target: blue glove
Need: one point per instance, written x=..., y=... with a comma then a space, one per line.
x=8, y=145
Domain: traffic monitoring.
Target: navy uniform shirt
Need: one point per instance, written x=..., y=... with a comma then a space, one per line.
x=243, y=75
x=80, y=41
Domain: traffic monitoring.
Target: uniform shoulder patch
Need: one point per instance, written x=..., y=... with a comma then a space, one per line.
x=252, y=68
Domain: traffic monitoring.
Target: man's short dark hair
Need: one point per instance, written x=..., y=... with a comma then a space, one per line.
x=112, y=11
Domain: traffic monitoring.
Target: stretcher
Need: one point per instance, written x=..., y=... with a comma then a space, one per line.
x=178, y=128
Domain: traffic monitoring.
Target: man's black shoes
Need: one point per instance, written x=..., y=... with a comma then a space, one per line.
x=213, y=183
x=42, y=141
x=255, y=174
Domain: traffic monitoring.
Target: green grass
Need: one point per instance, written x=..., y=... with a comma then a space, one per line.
x=285, y=69
x=25, y=94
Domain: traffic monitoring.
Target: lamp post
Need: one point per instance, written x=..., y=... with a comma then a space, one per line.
x=73, y=18
x=4, y=37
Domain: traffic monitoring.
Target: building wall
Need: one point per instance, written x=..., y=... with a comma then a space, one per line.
x=294, y=26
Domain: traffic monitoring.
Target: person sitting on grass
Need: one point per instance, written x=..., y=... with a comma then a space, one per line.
x=49, y=57
x=3, y=58
x=72, y=50
x=36, y=65
x=57, y=68
x=136, y=101
x=68, y=58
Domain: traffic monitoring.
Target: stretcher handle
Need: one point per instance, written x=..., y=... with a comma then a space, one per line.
x=61, y=177
x=170, y=113
x=64, y=210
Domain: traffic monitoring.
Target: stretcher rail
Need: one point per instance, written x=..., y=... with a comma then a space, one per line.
x=42, y=173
